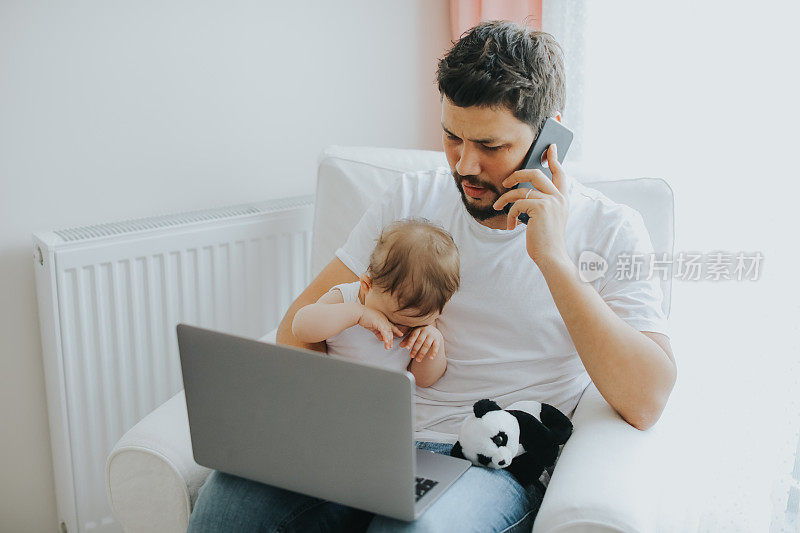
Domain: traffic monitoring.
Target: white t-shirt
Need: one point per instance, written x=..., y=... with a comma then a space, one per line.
x=361, y=344
x=504, y=337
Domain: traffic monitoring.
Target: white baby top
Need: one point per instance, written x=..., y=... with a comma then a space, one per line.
x=504, y=336
x=359, y=343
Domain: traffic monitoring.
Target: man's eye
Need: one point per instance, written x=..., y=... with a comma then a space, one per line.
x=452, y=138
x=493, y=148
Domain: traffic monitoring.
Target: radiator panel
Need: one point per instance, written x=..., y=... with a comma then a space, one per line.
x=111, y=350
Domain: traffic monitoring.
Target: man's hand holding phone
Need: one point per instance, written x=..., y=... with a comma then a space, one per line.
x=547, y=206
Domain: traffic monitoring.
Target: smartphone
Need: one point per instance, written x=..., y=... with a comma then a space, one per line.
x=553, y=132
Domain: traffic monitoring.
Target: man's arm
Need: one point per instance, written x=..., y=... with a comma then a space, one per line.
x=334, y=274
x=633, y=370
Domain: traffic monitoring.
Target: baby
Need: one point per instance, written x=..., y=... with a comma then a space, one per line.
x=413, y=271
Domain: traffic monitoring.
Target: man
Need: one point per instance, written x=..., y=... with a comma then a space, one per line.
x=523, y=325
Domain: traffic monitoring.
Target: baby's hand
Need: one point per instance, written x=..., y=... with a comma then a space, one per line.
x=424, y=341
x=377, y=323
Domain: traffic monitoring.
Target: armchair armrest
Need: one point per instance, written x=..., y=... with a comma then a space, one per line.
x=152, y=479
x=606, y=478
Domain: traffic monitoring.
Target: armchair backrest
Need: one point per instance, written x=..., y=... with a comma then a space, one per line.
x=351, y=178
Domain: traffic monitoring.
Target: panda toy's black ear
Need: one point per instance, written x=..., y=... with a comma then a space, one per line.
x=557, y=422
x=482, y=407
x=456, y=451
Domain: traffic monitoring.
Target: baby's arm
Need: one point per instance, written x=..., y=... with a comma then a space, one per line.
x=329, y=316
x=428, y=363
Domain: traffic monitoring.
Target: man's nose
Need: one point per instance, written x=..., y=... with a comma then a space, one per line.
x=469, y=161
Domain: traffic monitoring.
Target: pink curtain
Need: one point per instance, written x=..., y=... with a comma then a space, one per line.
x=464, y=14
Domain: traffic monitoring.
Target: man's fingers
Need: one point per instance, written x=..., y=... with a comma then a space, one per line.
x=538, y=178
x=511, y=221
x=521, y=176
x=543, y=183
x=559, y=176
x=397, y=331
x=517, y=195
x=524, y=206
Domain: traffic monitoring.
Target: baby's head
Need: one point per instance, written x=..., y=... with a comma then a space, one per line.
x=413, y=271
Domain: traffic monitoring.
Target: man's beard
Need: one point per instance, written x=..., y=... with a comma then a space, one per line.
x=480, y=213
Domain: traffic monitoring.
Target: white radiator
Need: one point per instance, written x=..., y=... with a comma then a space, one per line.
x=110, y=296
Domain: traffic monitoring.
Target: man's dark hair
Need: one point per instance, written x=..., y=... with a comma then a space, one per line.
x=503, y=63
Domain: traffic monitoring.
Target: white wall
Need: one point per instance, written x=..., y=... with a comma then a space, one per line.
x=705, y=95
x=118, y=110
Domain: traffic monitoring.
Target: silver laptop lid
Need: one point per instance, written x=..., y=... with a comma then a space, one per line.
x=300, y=420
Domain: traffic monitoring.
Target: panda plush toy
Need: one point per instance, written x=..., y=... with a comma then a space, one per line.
x=523, y=439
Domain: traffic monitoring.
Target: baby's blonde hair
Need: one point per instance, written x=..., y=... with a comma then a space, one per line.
x=416, y=262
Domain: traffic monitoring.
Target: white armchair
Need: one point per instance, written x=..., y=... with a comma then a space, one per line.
x=607, y=478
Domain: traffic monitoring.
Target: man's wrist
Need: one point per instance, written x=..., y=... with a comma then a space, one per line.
x=557, y=263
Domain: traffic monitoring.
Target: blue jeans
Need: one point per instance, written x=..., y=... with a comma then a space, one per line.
x=480, y=500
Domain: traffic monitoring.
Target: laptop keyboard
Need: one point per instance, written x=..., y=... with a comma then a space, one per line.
x=423, y=486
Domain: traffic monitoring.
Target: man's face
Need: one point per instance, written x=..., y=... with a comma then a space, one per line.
x=483, y=146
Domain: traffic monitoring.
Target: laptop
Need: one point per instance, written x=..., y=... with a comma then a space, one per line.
x=309, y=422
